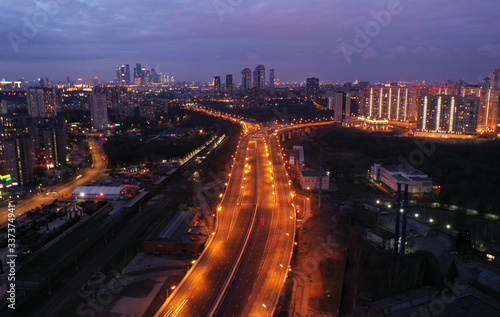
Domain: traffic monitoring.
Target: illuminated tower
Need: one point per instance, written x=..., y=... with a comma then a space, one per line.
x=217, y=87
x=495, y=79
x=229, y=86
x=246, y=79
x=259, y=77
x=123, y=75
x=312, y=88
x=99, y=108
x=271, y=79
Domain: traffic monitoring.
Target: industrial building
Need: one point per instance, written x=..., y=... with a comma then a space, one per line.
x=186, y=233
x=310, y=180
x=99, y=193
x=391, y=176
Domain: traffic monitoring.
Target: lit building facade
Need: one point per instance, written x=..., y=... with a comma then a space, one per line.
x=246, y=79
x=312, y=88
x=41, y=102
x=99, y=108
x=20, y=159
x=495, y=79
x=391, y=176
x=271, y=79
x=217, y=87
x=123, y=75
x=229, y=86
x=51, y=142
x=342, y=107
x=448, y=114
x=391, y=103
x=259, y=77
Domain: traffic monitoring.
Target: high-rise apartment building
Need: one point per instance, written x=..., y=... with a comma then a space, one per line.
x=99, y=108
x=217, y=89
x=50, y=141
x=448, y=114
x=495, y=79
x=41, y=102
x=391, y=103
x=246, y=79
x=259, y=77
x=312, y=88
x=342, y=106
x=229, y=86
x=20, y=159
x=271, y=79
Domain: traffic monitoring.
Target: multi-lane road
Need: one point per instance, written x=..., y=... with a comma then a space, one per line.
x=244, y=266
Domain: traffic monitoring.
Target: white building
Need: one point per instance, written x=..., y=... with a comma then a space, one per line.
x=391, y=176
x=310, y=180
x=297, y=156
x=99, y=193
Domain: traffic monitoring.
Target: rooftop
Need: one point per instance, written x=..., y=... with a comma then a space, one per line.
x=404, y=169
x=313, y=173
x=97, y=190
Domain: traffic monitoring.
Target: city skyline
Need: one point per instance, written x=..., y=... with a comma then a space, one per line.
x=336, y=41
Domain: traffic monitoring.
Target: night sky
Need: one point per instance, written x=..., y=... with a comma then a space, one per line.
x=194, y=40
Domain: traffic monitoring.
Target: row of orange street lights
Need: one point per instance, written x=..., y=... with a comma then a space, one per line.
x=248, y=167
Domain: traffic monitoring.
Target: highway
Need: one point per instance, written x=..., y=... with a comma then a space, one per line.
x=244, y=266
x=95, y=172
x=255, y=289
x=252, y=244
x=203, y=284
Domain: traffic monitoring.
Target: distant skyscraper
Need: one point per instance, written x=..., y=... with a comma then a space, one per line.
x=217, y=87
x=312, y=88
x=123, y=75
x=137, y=70
x=271, y=79
x=448, y=114
x=246, y=79
x=259, y=77
x=229, y=86
x=495, y=79
x=41, y=102
x=99, y=108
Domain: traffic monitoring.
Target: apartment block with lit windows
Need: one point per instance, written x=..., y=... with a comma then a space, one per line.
x=389, y=103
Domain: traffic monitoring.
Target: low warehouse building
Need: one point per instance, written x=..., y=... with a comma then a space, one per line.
x=172, y=236
x=99, y=193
